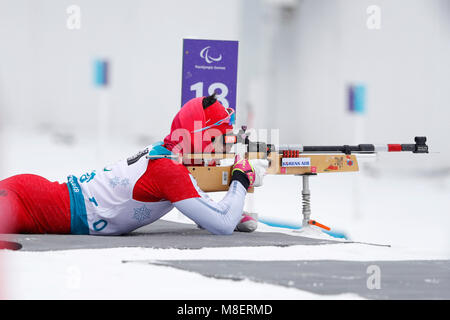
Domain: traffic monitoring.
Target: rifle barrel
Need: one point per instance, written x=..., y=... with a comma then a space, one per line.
x=419, y=147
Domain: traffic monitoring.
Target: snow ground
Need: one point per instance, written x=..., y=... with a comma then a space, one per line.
x=100, y=274
x=409, y=212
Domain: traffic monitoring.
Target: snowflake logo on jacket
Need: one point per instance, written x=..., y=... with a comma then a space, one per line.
x=141, y=213
x=116, y=181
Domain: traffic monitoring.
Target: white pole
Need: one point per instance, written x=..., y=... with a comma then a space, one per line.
x=359, y=110
x=103, y=126
x=101, y=81
x=359, y=136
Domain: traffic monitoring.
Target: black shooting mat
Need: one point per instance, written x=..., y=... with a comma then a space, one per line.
x=399, y=279
x=411, y=280
x=160, y=235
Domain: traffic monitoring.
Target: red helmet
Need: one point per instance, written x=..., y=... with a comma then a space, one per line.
x=197, y=122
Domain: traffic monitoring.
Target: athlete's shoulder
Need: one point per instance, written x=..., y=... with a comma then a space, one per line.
x=171, y=179
x=165, y=165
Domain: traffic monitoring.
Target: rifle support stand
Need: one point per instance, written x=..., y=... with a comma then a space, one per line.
x=306, y=199
x=306, y=205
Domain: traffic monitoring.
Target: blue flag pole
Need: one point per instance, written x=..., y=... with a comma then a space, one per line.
x=357, y=105
x=101, y=79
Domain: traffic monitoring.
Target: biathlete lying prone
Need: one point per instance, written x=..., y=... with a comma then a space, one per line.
x=139, y=190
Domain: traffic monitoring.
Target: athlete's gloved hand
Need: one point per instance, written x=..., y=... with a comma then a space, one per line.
x=253, y=170
x=260, y=167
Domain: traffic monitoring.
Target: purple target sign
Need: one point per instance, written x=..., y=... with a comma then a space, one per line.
x=208, y=66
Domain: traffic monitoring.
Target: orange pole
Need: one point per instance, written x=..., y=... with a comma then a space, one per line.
x=315, y=223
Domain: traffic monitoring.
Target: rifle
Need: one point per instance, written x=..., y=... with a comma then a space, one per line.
x=298, y=160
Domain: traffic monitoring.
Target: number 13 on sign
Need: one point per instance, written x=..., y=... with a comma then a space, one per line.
x=221, y=96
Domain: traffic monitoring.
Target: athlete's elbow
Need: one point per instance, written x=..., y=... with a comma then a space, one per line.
x=223, y=231
x=227, y=232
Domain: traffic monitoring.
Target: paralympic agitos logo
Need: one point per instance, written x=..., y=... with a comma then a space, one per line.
x=204, y=54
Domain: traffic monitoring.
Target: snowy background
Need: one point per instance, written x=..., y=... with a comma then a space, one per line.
x=296, y=60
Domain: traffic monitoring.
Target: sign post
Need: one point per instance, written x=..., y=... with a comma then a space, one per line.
x=210, y=66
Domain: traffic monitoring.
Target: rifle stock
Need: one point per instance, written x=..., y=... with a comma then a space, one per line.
x=217, y=178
